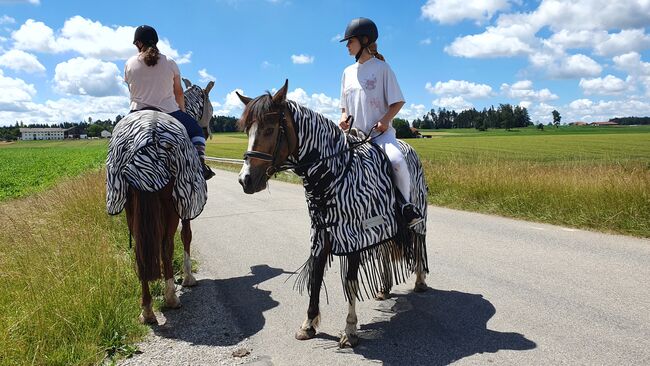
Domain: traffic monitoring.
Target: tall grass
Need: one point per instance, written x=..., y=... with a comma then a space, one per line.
x=70, y=294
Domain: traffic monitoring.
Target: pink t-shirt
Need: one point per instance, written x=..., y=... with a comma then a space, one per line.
x=152, y=86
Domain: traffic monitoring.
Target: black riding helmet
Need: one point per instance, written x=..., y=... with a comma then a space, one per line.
x=360, y=27
x=145, y=34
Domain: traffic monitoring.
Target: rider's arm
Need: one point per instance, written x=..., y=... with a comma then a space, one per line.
x=343, y=122
x=384, y=122
x=178, y=92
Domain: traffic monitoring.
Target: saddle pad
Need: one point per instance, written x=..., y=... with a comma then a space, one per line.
x=147, y=149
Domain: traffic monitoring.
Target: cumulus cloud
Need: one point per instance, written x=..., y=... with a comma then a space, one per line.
x=585, y=109
x=302, y=59
x=523, y=91
x=86, y=37
x=639, y=70
x=609, y=85
x=15, y=93
x=426, y=41
x=490, y=44
x=412, y=112
x=457, y=103
x=459, y=87
x=89, y=76
x=205, y=77
x=453, y=11
x=18, y=60
x=319, y=102
x=231, y=106
x=566, y=67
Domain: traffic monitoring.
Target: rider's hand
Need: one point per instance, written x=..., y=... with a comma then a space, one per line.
x=344, y=124
x=381, y=126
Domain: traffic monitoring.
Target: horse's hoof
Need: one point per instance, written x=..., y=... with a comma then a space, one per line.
x=305, y=334
x=420, y=287
x=348, y=340
x=381, y=296
x=173, y=303
x=189, y=281
x=148, y=318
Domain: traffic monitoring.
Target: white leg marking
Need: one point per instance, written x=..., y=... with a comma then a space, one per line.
x=171, y=300
x=188, y=278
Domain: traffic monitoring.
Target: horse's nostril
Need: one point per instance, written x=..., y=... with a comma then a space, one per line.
x=245, y=180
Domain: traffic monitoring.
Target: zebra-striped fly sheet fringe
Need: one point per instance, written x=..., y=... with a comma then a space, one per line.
x=147, y=149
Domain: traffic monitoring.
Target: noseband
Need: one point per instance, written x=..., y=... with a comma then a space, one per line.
x=252, y=154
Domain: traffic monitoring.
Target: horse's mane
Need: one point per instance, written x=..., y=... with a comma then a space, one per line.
x=254, y=111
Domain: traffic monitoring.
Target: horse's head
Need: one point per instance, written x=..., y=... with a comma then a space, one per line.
x=271, y=138
x=198, y=105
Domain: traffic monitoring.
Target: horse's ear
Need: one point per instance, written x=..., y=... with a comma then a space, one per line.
x=208, y=87
x=187, y=83
x=243, y=99
x=281, y=95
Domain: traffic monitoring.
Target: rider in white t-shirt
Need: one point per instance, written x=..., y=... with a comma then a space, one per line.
x=370, y=93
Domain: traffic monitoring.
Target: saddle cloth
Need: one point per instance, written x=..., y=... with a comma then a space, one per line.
x=147, y=149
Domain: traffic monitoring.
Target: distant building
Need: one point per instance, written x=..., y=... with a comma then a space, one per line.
x=607, y=123
x=42, y=133
x=578, y=123
x=105, y=134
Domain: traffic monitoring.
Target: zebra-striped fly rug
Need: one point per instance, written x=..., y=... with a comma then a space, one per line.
x=147, y=150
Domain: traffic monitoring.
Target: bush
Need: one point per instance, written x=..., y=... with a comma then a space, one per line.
x=402, y=128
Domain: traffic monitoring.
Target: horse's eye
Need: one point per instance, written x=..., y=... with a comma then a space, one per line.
x=268, y=132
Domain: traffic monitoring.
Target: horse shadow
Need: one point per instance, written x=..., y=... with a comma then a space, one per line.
x=434, y=328
x=221, y=312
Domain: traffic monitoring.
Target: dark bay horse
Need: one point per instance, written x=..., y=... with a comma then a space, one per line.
x=351, y=199
x=153, y=172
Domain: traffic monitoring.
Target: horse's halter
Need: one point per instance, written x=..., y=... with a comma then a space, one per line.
x=282, y=131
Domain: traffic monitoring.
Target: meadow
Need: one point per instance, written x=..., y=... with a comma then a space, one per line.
x=595, y=178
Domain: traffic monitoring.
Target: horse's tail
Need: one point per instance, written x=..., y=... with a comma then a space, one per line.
x=148, y=230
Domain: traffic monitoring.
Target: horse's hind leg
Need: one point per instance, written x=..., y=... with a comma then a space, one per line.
x=308, y=328
x=146, y=316
x=186, y=236
x=350, y=338
x=171, y=300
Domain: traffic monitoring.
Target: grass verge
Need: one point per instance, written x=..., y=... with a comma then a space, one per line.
x=70, y=291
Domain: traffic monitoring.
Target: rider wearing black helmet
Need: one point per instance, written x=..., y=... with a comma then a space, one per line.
x=370, y=93
x=155, y=83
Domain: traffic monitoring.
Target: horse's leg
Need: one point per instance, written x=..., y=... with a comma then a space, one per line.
x=186, y=236
x=386, y=276
x=146, y=316
x=170, y=227
x=350, y=338
x=420, y=282
x=308, y=328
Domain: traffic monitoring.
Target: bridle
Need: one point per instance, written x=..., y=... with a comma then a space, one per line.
x=282, y=132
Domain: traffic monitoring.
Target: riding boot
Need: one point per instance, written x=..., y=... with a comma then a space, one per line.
x=207, y=171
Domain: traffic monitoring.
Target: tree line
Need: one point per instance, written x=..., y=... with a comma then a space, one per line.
x=504, y=116
x=631, y=120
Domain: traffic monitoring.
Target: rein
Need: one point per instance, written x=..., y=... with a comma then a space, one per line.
x=273, y=169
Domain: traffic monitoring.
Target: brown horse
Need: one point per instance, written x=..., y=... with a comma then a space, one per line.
x=153, y=221
x=353, y=217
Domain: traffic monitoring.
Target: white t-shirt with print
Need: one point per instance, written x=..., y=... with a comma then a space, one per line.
x=367, y=91
x=152, y=86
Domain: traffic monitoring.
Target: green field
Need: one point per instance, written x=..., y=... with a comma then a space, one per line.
x=27, y=167
x=587, y=177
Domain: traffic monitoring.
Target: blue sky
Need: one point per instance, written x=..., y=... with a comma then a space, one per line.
x=63, y=60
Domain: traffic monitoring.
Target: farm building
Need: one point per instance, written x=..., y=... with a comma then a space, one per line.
x=607, y=123
x=42, y=133
x=106, y=134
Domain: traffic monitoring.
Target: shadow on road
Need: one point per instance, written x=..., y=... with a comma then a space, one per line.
x=434, y=328
x=221, y=312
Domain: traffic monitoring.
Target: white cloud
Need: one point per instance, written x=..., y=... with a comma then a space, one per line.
x=625, y=41
x=15, y=93
x=453, y=11
x=88, y=76
x=33, y=2
x=608, y=85
x=302, y=59
x=205, y=76
x=492, y=43
x=639, y=70
x=523, y=91
x=336, y=38
x=318, y=102
x=460, y=87
x=453, y=103
x=566, y=67
x=18, y=60
x=412, y=112
x=585, y=109
x=5, y=19
x=88, y=38
x=231, y=106
x=426, y=41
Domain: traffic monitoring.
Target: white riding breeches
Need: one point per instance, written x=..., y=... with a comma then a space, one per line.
x=388, y=142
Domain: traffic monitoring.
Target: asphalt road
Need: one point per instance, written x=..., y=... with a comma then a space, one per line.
x=502, y=291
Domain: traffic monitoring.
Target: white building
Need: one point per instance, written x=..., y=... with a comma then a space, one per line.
x=106, y=134
x=42, y=133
